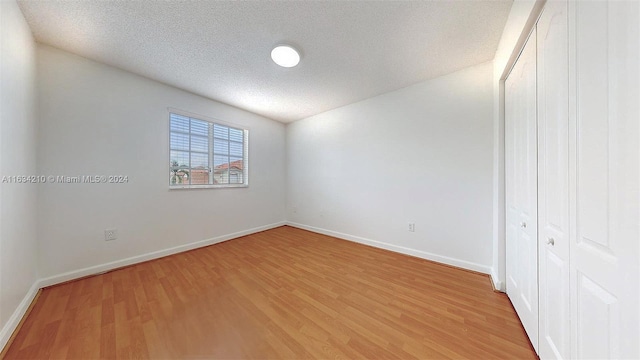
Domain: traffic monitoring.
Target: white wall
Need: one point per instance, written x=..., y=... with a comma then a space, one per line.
x=18, y=267
x=522, y=17
x=96, y=119
x=421, y=154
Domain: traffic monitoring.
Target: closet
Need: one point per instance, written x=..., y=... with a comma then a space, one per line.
x=572, y=185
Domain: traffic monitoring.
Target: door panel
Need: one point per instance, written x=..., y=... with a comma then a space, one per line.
x=553, y=181
x=598, y=320
x=521, y=189
x=604, y=274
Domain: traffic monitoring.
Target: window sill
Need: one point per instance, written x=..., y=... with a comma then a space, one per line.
x=196, y=187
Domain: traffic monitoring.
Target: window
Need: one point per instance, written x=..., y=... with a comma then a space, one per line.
x=206, y=154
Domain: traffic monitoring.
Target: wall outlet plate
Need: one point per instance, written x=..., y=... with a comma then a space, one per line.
x=412, y=227
x=110, y=234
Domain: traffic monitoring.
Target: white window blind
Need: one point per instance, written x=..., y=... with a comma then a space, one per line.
x=207, y=154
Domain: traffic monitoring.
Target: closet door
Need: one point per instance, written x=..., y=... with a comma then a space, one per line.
x=605, y=233
x=553, y=181
x=521, y=189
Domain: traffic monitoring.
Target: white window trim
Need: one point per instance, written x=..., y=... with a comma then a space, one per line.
x=215, y=121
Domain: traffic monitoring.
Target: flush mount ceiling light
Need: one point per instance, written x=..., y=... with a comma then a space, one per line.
x=285, y=56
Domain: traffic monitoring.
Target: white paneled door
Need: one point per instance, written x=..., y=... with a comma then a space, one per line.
x=572, y=166
x=521, y=189
x=553, y=182
x=605, y=227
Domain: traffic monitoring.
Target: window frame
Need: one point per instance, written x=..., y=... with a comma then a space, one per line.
x=211, y=121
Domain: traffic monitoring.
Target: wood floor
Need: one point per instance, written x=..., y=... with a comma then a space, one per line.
x=283, y=293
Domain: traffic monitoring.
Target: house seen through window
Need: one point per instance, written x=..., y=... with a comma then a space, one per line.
x=206, y=154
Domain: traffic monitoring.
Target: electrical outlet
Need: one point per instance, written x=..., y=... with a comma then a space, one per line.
x=412, y=227
x=110, y=234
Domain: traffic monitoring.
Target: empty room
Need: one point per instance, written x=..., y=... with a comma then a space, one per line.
x=320, y=179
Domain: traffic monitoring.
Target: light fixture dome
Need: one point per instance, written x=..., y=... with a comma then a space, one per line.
x=285, y=56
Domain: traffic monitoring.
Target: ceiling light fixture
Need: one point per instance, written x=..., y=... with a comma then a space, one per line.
x=285, y=56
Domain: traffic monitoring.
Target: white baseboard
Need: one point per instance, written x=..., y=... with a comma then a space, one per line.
x=399, y=249
x=495, y=279
x=13, y=322
x=76, y=274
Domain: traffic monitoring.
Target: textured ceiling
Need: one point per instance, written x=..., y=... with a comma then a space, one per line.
x=351, y=50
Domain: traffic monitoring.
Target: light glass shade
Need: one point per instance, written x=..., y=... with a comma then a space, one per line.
x=285, y=56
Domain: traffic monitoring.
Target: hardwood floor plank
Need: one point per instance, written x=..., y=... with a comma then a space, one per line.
x=108, y=341
x=284, y=293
